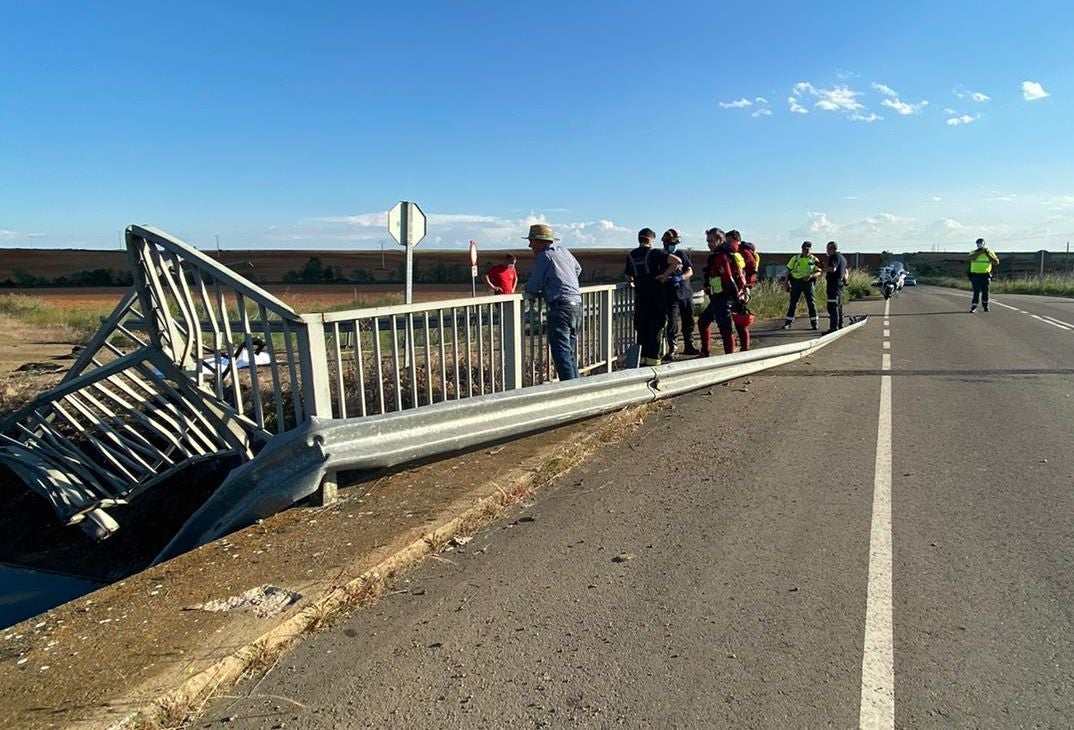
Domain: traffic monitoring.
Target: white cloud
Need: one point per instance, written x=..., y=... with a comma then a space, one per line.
x=1001, y=198
x=885, y=90
x=902, y=107
x=935, y=198
x=951, y=224
x=1032, y=91
x=963, y=93
x=1061, y=202
x=9, y=235
x=840, y=99
x=964, y=119
x=980, y=98
x=762, y=110
x=454, y=230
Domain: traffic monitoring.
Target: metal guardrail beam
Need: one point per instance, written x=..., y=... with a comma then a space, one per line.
x=292, y=466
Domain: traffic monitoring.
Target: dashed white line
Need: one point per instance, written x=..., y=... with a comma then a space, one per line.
x=878, y=662
x=887, y=333
x=887, y=345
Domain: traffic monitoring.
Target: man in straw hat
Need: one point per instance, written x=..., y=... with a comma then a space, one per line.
x=555, y=277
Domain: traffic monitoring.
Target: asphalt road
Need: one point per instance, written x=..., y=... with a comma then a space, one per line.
x=752, y=548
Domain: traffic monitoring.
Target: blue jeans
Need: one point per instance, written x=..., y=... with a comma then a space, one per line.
x=564, y=321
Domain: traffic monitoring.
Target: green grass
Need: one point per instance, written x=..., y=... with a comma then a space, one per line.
x=82, y=322
x=769, y=300
x=1052, y=285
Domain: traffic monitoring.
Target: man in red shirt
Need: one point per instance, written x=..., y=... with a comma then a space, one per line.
x=724, y=285
x=503, y=278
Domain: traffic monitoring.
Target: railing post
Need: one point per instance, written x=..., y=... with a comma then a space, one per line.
x=607, y=318
x=316, y=387
x=512, y=337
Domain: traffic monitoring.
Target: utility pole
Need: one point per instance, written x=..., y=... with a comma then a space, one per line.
x=217, y=236
x=382, y=266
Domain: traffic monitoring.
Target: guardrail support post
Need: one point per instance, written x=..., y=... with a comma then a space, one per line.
x=607, y=314
x=512, y=337
x=316, y=387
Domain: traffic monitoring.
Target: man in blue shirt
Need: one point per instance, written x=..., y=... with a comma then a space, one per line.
x=555, y=278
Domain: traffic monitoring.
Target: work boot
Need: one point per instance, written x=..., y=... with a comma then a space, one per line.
x=973, y=308
x=691, y=350
x=985, y=306
x=813, y=326
x=669, y=356
x=787, y=326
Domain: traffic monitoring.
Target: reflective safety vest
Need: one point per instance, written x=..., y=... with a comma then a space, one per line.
x=982, y=262
x=802, y=267
x=740, y=260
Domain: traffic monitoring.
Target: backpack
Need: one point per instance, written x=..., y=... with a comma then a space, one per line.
x=753, y=262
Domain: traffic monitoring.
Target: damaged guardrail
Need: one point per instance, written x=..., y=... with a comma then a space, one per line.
x=293, y=466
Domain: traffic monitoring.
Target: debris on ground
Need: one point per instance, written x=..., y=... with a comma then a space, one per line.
x=264, y=602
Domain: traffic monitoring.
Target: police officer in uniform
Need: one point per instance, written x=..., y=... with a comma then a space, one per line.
x=649, y=269
x=803, y=270
x=981, y=262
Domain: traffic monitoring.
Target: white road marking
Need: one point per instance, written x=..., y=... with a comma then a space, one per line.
x=887, y=333
x=1045, y=321
x=1053, y=319
x=887, y=345
x=1042, y=318
x=878, y=661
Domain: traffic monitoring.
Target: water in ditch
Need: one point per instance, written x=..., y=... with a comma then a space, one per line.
x=25, y=593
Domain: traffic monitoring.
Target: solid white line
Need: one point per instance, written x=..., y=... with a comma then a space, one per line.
x=878, y=662
x=1053, y=324
x=1053, y=319
x=1008, y=306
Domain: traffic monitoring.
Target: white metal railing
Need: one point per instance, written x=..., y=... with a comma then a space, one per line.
x=388, y=359
x=196, y=363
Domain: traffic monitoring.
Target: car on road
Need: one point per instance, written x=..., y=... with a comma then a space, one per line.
x=910, y=280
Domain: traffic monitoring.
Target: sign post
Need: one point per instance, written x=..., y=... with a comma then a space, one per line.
x=473, y=266
x=406, y=224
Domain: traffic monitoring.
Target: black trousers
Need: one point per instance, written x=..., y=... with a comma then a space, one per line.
x=980, y=284
x=835, y=307
x=798, y=288
x=650, y=317
x=678, y=308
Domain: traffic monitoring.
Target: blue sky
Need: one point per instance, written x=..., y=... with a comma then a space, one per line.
x=297, y=125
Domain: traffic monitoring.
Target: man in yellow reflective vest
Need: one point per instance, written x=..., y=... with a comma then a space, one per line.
x=803, y=270
x=981, y=262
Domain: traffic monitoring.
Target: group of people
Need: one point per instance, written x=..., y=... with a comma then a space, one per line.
x=663, y=292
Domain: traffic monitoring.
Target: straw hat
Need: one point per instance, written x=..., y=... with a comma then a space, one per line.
x=541, y=232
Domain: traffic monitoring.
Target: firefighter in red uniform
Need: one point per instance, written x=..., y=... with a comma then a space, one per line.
x=724, y=285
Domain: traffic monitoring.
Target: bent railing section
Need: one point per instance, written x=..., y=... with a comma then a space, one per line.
x=194, y=363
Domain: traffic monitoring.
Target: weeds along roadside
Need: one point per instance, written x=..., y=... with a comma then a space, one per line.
x=768, y=300
x=1051, y=285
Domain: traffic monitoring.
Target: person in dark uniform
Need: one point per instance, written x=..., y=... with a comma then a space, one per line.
x=680, y=296
x=649, y=269
x=835, y=273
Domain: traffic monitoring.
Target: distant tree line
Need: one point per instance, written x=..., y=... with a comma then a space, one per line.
x=23, y=279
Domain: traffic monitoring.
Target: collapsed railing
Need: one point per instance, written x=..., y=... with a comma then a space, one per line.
x=197, y=363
